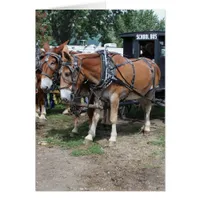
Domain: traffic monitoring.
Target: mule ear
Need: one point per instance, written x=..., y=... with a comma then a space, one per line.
x=60, y=48
x=42, y=53
x=46, y=46
x=67, y=56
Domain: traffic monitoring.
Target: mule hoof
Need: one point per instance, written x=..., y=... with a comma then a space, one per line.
x=43, y=143
x=74, y=131
x=66, y=112
x=43, y=117
x=145, y=132
x=36, y=115
x=87, y=142
x=112, y=143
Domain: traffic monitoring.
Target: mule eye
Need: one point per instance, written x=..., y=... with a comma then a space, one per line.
x=66, y=74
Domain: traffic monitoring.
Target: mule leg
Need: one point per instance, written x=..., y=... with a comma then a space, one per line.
x=90, y=113
x=67, y=110
x=146, y=105
x=37, y=107
x=43, y=112
x=75, y=129
x=147, y=123
x=92, y=131
x=106, y=114
x=37, y=111
x=114, y=105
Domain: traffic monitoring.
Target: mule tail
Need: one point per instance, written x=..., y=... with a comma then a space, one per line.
x=157, y=74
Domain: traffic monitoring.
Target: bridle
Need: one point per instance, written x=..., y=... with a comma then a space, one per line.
x=38, y=55
x=58, y=59
x=73, y=68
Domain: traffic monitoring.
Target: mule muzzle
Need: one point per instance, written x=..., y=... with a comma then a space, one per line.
x=46, y=90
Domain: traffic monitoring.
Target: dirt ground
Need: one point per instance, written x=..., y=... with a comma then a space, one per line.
x=136, y=163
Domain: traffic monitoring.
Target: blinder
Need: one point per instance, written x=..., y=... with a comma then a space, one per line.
x=75, y=71
x=73, y=68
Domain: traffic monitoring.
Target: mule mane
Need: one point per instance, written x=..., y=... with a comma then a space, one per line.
x=87, y=55
x=96, y=54
x=73, y=52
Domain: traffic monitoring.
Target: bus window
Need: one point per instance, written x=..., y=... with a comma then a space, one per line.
x=162, y=50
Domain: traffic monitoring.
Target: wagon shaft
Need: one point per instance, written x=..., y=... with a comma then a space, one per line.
x=86, y=105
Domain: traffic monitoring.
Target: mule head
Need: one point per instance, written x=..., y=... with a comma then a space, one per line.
x=69, y=76
x=50, y=64
x=65, y=75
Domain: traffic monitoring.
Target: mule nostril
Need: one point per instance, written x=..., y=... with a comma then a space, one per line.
x=65, y=100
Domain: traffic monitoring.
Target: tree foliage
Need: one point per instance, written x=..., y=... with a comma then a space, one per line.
x=81, y=24
x=61, y=25
x=43, y=26
x=137, y=20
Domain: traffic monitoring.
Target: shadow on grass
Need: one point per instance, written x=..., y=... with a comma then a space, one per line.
x=64, y=133
x=62, y=136
x=138, y=113
x=58, y=109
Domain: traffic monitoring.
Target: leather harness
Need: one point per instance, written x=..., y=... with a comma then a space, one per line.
x=108, y=74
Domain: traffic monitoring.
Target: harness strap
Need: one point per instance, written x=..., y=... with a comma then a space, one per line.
x=45, y=74
x=133, y=79
x=127, y=61
x=152, y=72
x=101, y=83
x=119, y=81
x=66, y=63
x=58, y=57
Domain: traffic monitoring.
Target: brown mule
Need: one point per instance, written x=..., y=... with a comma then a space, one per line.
x=131, y=81
x=49, y=62
x=65, y=86
x=40, y=95
x=50, y=65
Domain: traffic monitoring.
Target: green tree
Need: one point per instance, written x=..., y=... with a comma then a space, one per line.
x=136, y=20
x=82, y=24
x=43, y=27
x=61, y=25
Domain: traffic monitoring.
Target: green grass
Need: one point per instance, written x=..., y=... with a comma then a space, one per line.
x=94, y=149
x=64, y=143
x=58, y=109
x=74, y=143
x=159, y=142
x=137, y=113
x=130, y=128
x=59, y=131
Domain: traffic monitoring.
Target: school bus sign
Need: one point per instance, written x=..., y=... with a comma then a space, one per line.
x=151, y=36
